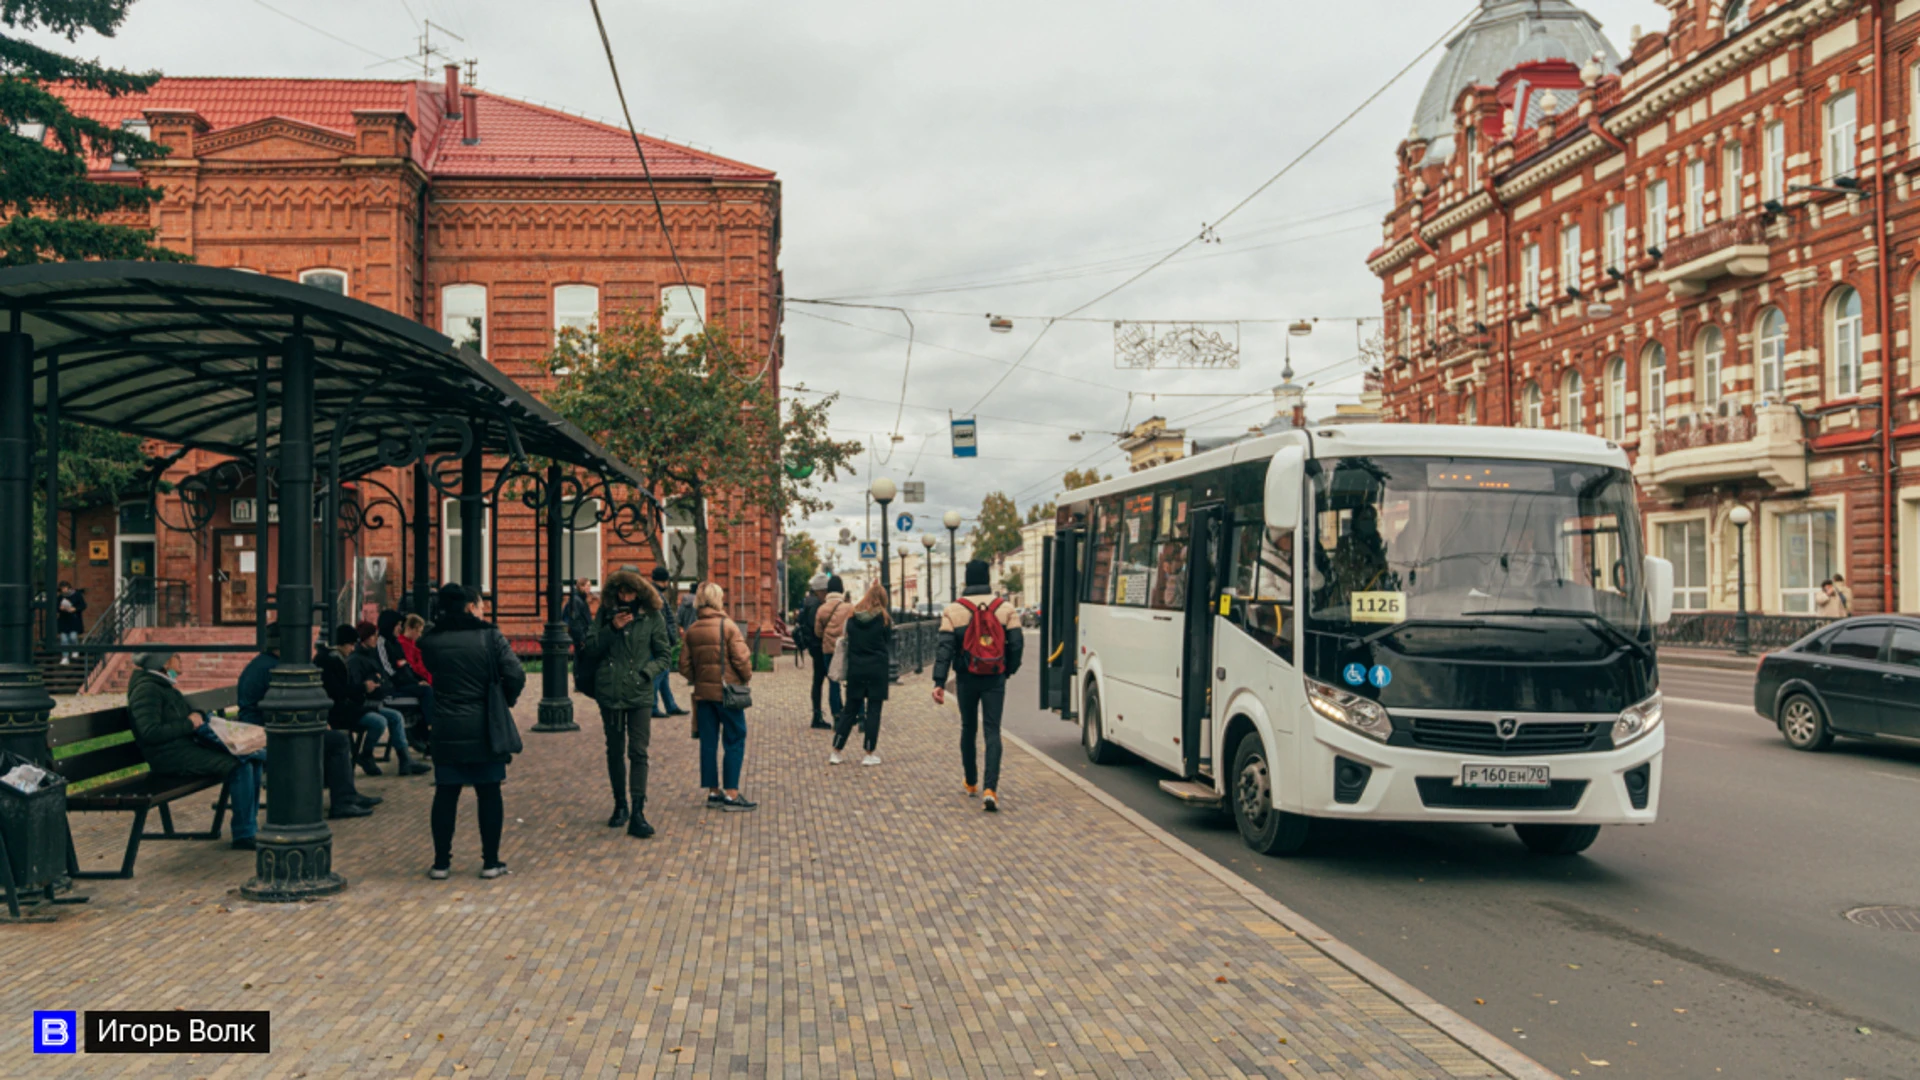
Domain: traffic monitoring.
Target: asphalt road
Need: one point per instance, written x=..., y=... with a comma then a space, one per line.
x=1712, y=944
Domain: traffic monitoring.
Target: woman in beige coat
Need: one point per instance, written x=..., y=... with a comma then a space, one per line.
x=713, y=652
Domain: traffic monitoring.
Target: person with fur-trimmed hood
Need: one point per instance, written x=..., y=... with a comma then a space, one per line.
x=629, y=647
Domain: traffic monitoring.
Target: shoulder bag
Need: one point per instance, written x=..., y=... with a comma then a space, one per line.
x=503, y=735
x=732, y=696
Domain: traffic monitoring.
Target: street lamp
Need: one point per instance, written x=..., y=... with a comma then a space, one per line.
x=926, y=582
x=883, y=491
x=1742, y=632
x=904, y=552
x=952, y=522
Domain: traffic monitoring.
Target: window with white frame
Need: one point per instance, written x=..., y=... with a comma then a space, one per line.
x=333, y=281
x=582, y=552
x=1684, y=544
x=1470, y=153
x=1710, y=355
x=1530, y=274
x=452, y=568
x=463, y=315
x=1406, y=329
x=1470, y=411
x=1617, y=398
x=1480, y=293
x=683, y=311
x=576, y=308
x=1463, y=302
x=1570, y=258
x=1843, y=124
x=137, y=127
x=1657, y=214
x=1737, y=15
x=1573, y=406
x=1653, y=410
x=1843, y=313
x=1530, y=406
x=1614, y=234
x=1773, y=167
x=1733, y=167
x=1696, y=216
x=1771, y=351
x=678, y=542
x=1806, y=542
x=1433, y=312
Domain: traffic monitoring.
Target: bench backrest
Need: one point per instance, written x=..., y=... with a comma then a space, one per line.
x=99, y=761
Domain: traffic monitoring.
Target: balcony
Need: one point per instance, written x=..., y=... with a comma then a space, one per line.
x=1767, y=443
x=1728, y=249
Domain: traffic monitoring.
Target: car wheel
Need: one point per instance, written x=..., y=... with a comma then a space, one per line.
x=1093, y=736
x=1557, y=839
x=1265, y=829
x=1803, y=725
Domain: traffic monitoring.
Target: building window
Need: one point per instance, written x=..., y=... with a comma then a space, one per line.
x=575, y=308
x=1406, y=329
x=1654, y=409
x=1733, y=163
x=451, y=568
x=1433, y=312
x=1710, y=354
x=1696, y=195
x=139, y=128
x=1470, y=152
x=1736, y=16
x=1480, y=293
x=1844, y=316
x=1772, y=353
x=1530, y=274
x=1806, y=546
x=683, y=311
x=1616, y=237
x=1773, y=171
x=463, y=316
x=1684, y=544
x=1470, y=411
x=582, y=517
x=1530, y=405
x=1570, y=258
x=679, y=543
x=1843, y=150
x=1656, y=215
x=1617, y=398
x=1463, y=303
x=333, y=281
x=1573, y=409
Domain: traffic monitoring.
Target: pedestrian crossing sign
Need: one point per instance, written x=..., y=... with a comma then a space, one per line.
x=869, y=550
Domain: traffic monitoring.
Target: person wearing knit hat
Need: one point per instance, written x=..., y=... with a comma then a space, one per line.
x=982, y=657
x=806, y=635
x=174, y=739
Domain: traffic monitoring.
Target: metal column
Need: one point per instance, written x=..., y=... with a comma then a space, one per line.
x=24, y=703
x=473, y=523
x=422, y=541
x=556, y=708
x=51, y=542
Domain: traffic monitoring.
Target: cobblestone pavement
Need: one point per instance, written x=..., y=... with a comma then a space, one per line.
x=864, y=922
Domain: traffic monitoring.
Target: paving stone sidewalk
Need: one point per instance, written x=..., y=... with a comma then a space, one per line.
x=864, y=922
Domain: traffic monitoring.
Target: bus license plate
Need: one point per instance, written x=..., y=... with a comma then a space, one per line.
x=1505, y=776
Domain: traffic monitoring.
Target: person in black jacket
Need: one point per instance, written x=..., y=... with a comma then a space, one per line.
x=336, y=757
x=806, y=637
x=471, y=662
x=365, y=667
x=981, y=695
x=868, y=640
x=577, y=613
x=662, y=687
x=71, y=622
x=349, y=712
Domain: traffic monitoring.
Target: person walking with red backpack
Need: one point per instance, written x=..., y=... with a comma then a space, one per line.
x=980, y=641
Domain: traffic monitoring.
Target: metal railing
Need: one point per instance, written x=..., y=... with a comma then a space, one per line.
x=1714, y=630
x=142, y=602
x=1689, y=432
x=1715, y=237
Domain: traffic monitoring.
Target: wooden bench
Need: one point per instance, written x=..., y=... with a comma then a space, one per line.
x=140, y=793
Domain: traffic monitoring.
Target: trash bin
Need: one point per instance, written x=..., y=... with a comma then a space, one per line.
x=33, y=825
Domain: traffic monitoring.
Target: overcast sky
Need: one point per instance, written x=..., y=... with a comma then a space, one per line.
x=1035, y=152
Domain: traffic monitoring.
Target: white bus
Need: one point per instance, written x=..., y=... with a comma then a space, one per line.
x=1387, y=622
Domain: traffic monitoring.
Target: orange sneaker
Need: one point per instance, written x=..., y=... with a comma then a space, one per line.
x=972, y=790
x=988, y=802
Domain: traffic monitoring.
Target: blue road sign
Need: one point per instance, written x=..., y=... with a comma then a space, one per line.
x=904, y=522
x=1380, y=676
x=870, y=550
x=1356, y=674
x=966, y=440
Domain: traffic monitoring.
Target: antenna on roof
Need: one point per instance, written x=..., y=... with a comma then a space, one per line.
x=425, y=51
x=473, y=67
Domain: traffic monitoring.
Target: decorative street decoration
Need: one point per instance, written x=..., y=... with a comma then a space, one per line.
x=1148, y=345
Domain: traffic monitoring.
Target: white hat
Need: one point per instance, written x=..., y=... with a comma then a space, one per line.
x=819, y=582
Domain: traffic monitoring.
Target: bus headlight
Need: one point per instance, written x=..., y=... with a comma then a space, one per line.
x=1636, y=721
x=1350, y=710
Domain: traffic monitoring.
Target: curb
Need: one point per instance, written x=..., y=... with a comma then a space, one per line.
x=1493, y=1050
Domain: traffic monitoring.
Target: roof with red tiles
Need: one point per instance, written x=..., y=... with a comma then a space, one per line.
x=517, y=139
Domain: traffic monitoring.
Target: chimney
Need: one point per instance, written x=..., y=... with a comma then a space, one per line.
x=470, y=113
x=453, y=92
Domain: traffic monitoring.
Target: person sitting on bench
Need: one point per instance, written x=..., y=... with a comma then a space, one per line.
x=336, y=759
x=175, y=741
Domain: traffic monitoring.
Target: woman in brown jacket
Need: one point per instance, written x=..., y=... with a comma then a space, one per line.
x=713, y=652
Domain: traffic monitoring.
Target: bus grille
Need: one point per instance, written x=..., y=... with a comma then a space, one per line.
x=1442, y=793
x=1480, y=737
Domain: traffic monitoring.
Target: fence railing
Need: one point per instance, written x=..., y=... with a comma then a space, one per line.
x=1714, y=630
x=1689, y=432
x=1716, y=237
x=915, y=641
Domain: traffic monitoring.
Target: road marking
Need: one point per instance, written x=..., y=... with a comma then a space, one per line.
x=1896, y=776
x=1706, y=704
x=1701, y=742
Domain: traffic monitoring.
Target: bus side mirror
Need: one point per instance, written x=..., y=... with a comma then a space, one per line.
x=1285, y=475
x=1659, y=590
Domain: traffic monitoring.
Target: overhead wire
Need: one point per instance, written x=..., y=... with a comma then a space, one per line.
x=318, y=30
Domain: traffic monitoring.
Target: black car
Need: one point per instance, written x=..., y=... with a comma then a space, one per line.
x=1857, y=677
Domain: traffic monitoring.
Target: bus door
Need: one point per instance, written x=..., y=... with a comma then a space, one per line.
x=1060, y=622
x=1206, y=563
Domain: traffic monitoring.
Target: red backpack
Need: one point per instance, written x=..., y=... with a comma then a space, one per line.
x=984, y=642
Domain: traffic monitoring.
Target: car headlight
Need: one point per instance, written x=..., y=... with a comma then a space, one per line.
x=1350, y=710
x=1637, y=720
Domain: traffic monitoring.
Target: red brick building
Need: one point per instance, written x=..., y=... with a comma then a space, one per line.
x=1705, y=251
x=494, y=220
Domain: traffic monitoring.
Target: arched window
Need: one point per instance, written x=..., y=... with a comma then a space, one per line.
x=1530, y=405
x=1573, y=410
x=1710, y=356
x=1617, y=398
x=1736, y=16
x=1470, y=412
x=463, y=316
x=1772, y=353
x=1843, y=341
x=333, y=281
x=1653, y=410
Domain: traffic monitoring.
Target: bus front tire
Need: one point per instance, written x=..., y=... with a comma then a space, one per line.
x=1263, y=828
x=1557, y=839
x=1093, y=737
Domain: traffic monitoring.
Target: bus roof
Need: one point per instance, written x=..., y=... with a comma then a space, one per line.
x=1379, y=440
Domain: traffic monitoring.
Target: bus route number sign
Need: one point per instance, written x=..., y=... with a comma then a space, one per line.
x=1379, y=607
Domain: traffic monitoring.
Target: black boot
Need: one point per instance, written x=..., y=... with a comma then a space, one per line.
x=619, y=817
x=637, y=825
x=406, y=766
x=820, y=722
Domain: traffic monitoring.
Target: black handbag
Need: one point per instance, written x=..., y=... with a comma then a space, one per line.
x=503, y=735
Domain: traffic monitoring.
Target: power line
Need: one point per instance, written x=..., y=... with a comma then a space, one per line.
x=323, y=33
x=929, y=408
x=947, y=348
x=1262, y=319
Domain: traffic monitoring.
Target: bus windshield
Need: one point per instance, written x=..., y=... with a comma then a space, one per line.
x=1474, y=542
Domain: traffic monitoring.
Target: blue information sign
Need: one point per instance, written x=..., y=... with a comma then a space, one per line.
x=869, y=550
x=1355, y=674
x=904, y=523
x=1380, y=676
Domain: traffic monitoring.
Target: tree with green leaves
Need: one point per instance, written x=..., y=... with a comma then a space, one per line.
x=803, y=561
x=998, y=529
x=1013, y=582
x=95, y=466
x=699, y=420
x=53, y=210
x=1075, y=478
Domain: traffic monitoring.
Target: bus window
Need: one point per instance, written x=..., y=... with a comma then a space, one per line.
x=1263, y=585
x=1106, y=530
x=1133, y=581
x=1170, y=561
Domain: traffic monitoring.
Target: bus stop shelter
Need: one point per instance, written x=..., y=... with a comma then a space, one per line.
x=314, y=390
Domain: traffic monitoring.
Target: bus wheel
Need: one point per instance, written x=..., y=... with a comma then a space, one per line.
x=1093, y=737
x=1557, y=839
x=1265, y=829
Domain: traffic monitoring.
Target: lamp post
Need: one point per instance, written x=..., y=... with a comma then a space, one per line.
x=883, y=491
x=904, y=552
x=926, y=581
x=952, y=522
x=1742, y=632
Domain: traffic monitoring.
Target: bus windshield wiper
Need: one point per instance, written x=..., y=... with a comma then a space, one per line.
x=1394, y=628
x=1605, y=627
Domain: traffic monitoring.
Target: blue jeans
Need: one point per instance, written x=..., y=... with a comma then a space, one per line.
x=721, y=726
x=662, y=692
x=379, y=719
x=243, y=786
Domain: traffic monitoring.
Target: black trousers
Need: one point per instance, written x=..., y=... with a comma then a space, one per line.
x=982, y=699
x=629, y=732
x=820, y=662
x=862, y=708
x=336, y=766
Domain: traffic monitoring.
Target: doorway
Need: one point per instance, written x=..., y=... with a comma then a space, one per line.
x=236, y=577
x=133, y=579
x=1209, y=545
